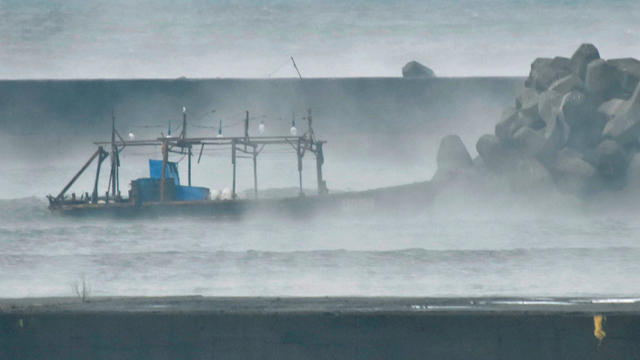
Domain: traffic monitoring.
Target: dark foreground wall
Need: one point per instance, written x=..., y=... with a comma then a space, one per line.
x=329, y=329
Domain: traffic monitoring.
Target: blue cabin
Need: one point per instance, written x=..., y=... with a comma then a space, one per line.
x=148, y=189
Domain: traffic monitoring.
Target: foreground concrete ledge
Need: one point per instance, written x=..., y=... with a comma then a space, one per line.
x=275, y=305
x=319, y=328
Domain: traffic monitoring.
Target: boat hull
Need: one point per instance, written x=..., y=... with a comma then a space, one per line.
x=396, y=198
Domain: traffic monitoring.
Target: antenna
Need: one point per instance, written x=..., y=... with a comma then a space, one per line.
x=296, y=67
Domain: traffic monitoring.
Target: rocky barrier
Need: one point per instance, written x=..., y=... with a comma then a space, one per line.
x=575, y=124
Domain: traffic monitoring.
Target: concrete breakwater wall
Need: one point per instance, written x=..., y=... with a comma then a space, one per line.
x=340, y=105
x=262, y=328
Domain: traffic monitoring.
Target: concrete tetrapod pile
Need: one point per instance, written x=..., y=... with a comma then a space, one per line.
x=576, y=123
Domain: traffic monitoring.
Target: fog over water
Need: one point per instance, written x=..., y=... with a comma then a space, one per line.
x=381, y=132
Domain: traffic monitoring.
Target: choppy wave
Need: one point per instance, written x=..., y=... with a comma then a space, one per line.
x=376, y=255
x=23, y=209
x=408, y=272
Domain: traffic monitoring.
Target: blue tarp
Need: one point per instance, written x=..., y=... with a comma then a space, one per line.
x=190, y=193
x=155, y=170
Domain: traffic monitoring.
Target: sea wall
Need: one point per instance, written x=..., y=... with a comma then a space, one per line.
x=339, y=105
x=175, y=330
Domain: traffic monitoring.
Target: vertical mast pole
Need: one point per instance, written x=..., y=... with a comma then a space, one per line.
x=322, y=189
x=246, y=125
x=165, y=158
x=190, y=165
x=299, y=153
x=310, y=125
x=118, y=172
x=255, y=172
x=184, y=136
x=114, y=157
x=184, y=123
x=233, y=162
x=246, y=130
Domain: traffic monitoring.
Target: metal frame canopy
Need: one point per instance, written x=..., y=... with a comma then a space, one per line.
x=249, y=145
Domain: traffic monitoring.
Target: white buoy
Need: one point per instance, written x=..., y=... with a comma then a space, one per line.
x=293, y=131
x=132, y=136
x=261, y=127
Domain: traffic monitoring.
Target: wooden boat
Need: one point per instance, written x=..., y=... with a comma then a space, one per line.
x=162, y=192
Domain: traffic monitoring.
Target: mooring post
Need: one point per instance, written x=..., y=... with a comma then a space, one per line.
x=322, y=188
x=233, y=162
x=255, y=171
x=165, y=158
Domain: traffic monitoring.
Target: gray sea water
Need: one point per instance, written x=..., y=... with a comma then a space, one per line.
x=461, y=245
x=254, y=38
x=424, y=254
